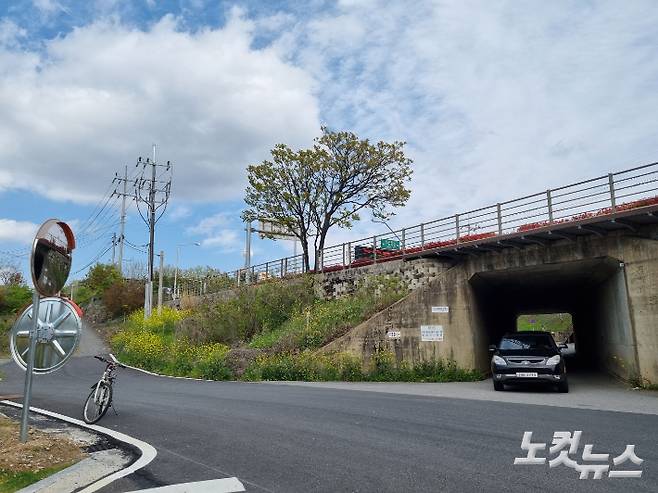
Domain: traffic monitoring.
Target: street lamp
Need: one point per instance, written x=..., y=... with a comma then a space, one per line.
x=381, y=221
x=196, y=243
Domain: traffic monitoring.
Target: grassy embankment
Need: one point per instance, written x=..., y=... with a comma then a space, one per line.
x=22, y=464
x=550, y=322
x=272, y=332
x=14, y=481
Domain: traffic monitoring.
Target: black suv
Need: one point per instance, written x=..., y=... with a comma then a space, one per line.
x=528, y=357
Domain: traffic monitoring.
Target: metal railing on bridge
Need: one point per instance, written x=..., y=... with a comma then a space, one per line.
x=600, y=196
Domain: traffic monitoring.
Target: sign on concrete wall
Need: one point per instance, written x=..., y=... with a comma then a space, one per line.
x=440, y=309
x=431, y=333
x=393, y=334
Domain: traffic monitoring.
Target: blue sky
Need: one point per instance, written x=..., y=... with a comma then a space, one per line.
x=495, y=100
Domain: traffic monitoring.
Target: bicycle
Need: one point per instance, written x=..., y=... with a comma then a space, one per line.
x=100, y=397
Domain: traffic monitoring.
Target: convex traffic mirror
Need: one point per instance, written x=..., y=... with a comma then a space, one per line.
x=51, y=257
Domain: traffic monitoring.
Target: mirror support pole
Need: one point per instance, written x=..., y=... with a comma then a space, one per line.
x=27, y=392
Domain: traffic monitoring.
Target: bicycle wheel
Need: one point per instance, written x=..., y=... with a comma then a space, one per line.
x=95, y=409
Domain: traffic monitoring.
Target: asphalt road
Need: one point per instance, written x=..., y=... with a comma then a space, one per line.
x=291, y=438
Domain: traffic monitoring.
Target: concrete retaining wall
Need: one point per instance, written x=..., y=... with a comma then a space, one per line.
x=415, y=274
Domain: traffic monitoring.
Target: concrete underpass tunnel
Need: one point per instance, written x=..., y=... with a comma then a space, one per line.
x=593, y=291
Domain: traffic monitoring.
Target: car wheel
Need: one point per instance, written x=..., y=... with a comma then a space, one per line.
x=498, y=386
x=563, y=387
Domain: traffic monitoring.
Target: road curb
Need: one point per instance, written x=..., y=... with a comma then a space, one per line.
x=148, y=452
x=141, y=370
x=165, y=376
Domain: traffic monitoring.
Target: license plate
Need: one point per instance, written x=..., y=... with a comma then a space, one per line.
x=526, y=374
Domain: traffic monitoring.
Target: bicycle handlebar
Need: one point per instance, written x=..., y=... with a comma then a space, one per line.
x=115, y=362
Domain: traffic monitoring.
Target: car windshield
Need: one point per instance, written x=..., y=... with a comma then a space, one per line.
x=527, y=341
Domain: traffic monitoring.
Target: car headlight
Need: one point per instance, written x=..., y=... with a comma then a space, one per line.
x=553, y=360
x=499, y=361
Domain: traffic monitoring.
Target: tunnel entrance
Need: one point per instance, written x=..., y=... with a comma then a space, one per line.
x=559, y=324
x=593, y=291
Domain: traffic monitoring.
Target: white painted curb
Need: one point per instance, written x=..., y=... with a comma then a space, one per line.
x=169, y=376
x=141, y=370
x=226, y=485
x=147, y=450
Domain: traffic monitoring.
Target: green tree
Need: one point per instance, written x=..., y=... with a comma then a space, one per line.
x=100, y=277
x=311, y=190
x=14, y=294
x=13, y=297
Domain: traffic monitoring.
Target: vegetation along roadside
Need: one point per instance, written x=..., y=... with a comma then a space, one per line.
x=272, y=331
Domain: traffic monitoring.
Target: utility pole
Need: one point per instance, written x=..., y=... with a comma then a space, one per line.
x=176, y=273
x=247, y=251
x=160, y=282
x=153, y=194
x=114, y=247
x=151, y=235
x=122, y=229
x=247, y=246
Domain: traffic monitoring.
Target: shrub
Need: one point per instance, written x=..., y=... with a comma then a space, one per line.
x=383, y=367
x=98, y=279
x=141, y=348
x=123, y=297
x=239, y=359
x=307, y=366
x=211, y=363
x=152, y=351
x=14, y=297
x=313, y=366
x=161, y=322
x=5, y=326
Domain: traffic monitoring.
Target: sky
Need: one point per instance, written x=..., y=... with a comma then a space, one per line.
x=495, y=100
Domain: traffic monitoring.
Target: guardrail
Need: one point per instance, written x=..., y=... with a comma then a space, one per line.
x=601, y=196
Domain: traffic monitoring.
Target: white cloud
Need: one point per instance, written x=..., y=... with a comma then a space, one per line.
x=47, y=6
x=12, y=231
x=179, y=212
x=97, y=97
x=227, y=240
x=209, y=224
x=217, y=233
x=496, y=99
x=10, y=33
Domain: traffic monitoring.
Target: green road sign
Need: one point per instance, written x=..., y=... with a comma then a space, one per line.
x=389, y=244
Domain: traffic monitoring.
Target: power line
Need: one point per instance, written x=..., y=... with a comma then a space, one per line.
x=83, y=224
x=86, y=224
x=94, y=260
x=101, y=216
x=15, y=253
x=137, y=246
x=101, y=233
x=129, y=245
